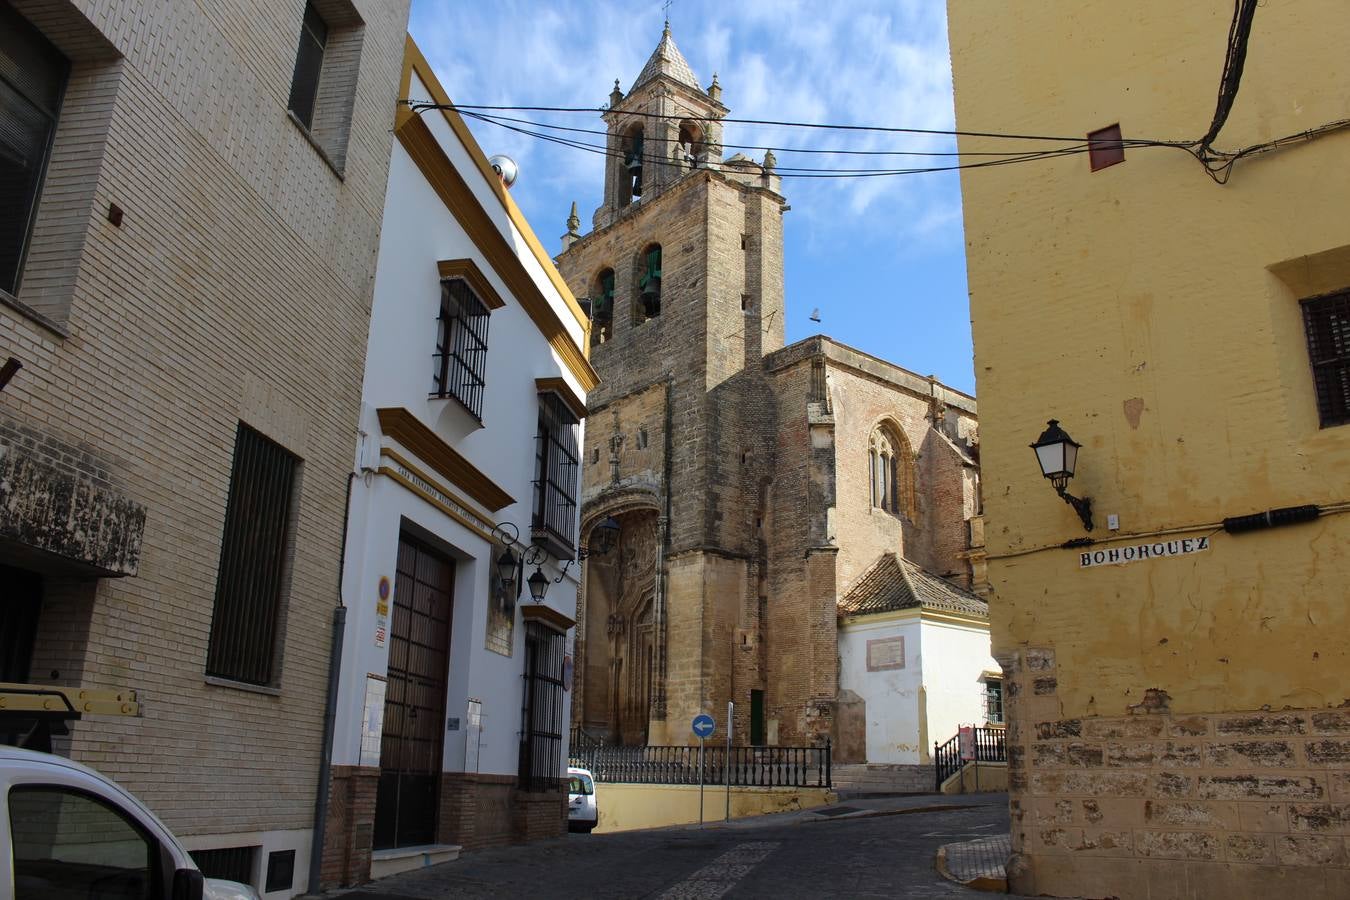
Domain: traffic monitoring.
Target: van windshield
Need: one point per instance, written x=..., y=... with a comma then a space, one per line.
x=580, y=784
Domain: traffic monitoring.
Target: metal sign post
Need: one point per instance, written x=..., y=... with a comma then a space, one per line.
x=700, y=782
x=702, y=726
x=726, y=762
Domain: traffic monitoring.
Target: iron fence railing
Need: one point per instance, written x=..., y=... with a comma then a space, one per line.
x=988, y=745
x=743, y=767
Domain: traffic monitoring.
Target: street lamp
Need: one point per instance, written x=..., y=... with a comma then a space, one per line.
x=1057, y=454
x=511, y=567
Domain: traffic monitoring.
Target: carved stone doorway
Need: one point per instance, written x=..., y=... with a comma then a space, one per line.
x=620, y=657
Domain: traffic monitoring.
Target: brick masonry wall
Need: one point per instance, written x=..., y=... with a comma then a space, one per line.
x=350, y=828
x=237, y=288
x=1157, y=804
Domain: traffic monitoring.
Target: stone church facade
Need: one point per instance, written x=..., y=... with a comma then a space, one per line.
x=754, y=482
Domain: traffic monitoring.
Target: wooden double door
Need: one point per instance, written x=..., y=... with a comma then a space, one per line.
x=411, y=744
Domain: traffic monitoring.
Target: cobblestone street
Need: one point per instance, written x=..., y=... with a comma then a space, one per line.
x=856, y=848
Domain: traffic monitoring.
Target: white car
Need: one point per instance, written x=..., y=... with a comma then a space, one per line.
x=582, y=812
x=74, y=835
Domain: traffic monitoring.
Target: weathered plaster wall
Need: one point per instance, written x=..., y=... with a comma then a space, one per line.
x=1156, y=314
x=894, y=699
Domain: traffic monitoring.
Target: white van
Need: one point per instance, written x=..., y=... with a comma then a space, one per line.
x=582, y=812
x=74, y=835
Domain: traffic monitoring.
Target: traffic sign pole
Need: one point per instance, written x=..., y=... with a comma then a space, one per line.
x=700, y=782
x=702, y=726
x=726, y=762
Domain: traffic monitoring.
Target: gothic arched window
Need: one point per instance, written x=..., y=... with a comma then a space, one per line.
x=890, y=470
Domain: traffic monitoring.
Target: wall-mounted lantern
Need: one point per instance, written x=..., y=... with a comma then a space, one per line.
x=511, y=567
x=1057, y=454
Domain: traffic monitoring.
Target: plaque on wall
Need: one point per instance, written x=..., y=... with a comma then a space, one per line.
x=885, y=653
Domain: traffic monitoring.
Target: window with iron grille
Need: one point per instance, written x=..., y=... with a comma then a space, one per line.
x=1327, y=322
x=542, y=709
x=308, y=64
x=555, y=484
x=32, y=83
x=461, y=346
x=230, y=863
x=254, y=566
x=993, y=701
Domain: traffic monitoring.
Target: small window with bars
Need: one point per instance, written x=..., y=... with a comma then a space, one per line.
x=1327, y=323
x=993, y=701
x=254, y=561
x=229, y=863
x=542, y=710
x=555, y=484
x=461, y=346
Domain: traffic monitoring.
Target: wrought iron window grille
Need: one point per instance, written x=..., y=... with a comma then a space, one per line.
x=461, y=346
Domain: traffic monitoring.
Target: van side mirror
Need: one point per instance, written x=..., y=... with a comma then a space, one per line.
x=188, y=884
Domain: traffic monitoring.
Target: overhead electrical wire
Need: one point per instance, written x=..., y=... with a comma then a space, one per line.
x=1074, y=145
x=799, y=172
x=1217, y=163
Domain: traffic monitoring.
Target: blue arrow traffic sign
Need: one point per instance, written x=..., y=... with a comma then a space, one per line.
x=703, y=725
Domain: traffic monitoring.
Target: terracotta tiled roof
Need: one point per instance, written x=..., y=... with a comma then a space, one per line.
x=667, y=60
x=893, y=584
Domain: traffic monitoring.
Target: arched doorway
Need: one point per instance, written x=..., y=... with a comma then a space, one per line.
x=619, y=658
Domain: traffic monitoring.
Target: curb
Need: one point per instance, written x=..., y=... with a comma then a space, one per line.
x=981, y=883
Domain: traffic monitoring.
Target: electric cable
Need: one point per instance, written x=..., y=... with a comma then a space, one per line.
x=798, y=172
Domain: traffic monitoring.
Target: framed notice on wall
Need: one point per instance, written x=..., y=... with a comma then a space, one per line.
x=885, y=653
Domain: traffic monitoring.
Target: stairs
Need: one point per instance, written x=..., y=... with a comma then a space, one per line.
x=860, y=779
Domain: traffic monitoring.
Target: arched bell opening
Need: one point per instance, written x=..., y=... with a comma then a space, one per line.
x=632, y=159
x=690, y=146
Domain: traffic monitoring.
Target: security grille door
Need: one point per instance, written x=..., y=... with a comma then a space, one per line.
x=414, y=702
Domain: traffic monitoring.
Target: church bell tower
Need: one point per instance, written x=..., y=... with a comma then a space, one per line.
x=682, y=274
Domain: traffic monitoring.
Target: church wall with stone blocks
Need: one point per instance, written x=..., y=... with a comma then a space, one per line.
x=743, y=473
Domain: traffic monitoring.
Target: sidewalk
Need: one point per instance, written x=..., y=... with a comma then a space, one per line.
x=977, y=864
x=860, y=808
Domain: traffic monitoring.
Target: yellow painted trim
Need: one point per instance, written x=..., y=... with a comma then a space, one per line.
x=483, y=521
x=411, y=432
x=546, y=614
x=564, y=391
x=412, y=487
x=914, y=612
x=951, y=618
x=899, y=615
x=469, y=271
x=414, y=61
x=459, y=198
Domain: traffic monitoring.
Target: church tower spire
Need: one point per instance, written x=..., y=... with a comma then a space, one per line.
x=663, y=128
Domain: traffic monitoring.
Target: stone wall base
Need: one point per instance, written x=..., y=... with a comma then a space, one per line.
x=476, y=811
x=1170, y=879
x=1157, y=803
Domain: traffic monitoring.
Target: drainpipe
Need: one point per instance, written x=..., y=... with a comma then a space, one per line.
x=330, y=710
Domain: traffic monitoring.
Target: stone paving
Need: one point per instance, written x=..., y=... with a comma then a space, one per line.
x=878, y=848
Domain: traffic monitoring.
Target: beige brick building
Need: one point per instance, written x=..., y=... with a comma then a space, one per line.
x=754, y=482
x=192, y=203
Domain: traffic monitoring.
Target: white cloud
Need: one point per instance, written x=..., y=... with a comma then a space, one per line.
x=880, y=62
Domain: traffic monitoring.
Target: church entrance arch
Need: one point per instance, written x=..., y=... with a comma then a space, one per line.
x=619, y=657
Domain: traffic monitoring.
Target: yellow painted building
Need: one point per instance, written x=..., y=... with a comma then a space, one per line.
x=1180, y=714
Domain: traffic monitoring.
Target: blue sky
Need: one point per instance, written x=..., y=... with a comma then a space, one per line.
x=882, y=258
